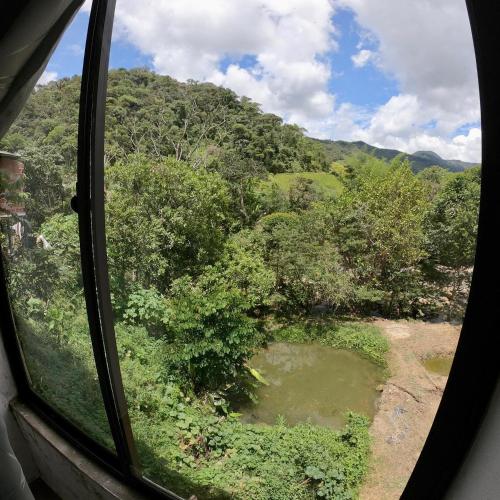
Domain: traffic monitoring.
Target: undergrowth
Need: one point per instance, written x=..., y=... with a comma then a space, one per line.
x=362, y=338
x=185, y=441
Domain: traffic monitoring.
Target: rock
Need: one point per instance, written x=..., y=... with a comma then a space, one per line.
x=399, y=410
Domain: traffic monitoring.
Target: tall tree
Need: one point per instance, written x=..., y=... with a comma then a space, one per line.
x=451, y=230
x=163, y=220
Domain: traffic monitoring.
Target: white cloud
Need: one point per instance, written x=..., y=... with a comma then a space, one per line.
x=361, y=58
x=46, y=77
x=189, y=39
x=401, y=123
x=425, y=45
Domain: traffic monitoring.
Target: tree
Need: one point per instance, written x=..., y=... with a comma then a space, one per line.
x=378, y=228
x=164, y=220
x=302, y=194
x=44, y=186
x=242, y=176
x=308, y=268
x=434, y=179
x=451, y=230
x=242, y=264
x=61, y=235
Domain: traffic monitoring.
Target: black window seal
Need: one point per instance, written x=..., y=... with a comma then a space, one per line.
x=90, y=202
x=91, y=215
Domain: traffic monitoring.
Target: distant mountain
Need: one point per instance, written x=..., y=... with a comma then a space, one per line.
x=339, y=150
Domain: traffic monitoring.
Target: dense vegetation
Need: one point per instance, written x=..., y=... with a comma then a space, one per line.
x=226, y=229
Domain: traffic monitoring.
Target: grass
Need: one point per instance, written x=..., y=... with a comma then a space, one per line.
x=324, y=181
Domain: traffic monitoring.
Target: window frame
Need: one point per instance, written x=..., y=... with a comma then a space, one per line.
x=90, y=209
x=475, y=370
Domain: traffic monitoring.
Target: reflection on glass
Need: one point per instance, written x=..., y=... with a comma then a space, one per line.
x=40, y=246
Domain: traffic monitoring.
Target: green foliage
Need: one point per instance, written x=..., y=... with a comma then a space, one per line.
x=243, y=176
x=378, y=228
x=302, y=194
x=61, y=233
x=163, y=220
x=308, y=269
x=434, y=179
x=242, y=265
x=324, y=182
x=297, y=190
x=44, y=183
x=218, y=217
x=451, y=223
x=158, y=116
x=148, y=308
x=450, y=230
x=48, y=122
x=189, y=446
x=35, y=276
x=59, y=357
x=213, y=336
x=272, y=198
x=363, y=338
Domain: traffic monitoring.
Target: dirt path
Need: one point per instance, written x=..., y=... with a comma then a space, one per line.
x=408, y=403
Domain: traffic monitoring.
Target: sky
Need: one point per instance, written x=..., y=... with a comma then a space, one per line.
x=395, y=74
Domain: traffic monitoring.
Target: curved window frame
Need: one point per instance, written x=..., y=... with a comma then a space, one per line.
x=475, y=370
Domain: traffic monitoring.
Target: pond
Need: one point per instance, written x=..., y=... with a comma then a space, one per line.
x=438, y=364
x=312, y=382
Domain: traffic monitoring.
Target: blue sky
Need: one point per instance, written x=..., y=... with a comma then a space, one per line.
x=339, y=68
x=366, y=86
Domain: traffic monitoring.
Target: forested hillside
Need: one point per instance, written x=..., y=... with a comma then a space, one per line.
x=158, y=116
x=226, y=230
x=339, y=150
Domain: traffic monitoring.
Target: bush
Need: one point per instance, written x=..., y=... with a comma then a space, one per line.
x=148, y=308
x=209, y=330
x=185, y=444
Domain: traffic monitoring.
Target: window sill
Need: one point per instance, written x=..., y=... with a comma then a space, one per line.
x=70, y=473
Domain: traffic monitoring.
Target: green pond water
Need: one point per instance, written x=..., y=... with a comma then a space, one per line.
x=438, y=364
x=312, y=382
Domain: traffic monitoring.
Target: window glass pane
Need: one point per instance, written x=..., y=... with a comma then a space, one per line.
x=40, y=242
x=282, y=294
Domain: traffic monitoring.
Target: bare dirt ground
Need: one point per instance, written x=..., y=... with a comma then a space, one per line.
x=408, y=403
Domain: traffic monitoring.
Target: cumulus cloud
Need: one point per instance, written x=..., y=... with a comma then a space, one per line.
x=361, y=58
x=402, y=123
x=189, y=39
x=46, y=77
x=425, y=45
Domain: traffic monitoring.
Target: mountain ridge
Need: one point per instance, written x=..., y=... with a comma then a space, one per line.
x=339, y=150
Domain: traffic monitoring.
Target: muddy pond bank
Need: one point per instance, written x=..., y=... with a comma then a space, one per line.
x=408, y=402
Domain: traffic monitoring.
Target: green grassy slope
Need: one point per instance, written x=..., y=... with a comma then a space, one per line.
x=324, y=181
